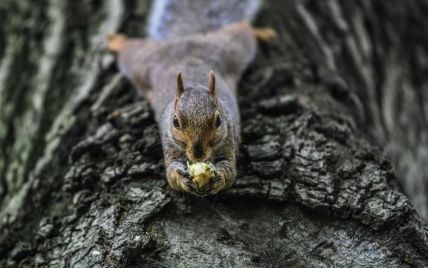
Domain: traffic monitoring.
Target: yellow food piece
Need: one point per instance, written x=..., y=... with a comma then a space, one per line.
x=201, y=172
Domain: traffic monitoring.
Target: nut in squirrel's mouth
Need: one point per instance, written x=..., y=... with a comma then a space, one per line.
x=202, y=172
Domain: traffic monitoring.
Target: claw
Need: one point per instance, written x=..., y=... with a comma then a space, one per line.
x=215, y=185
x=190, y=186
x=188, y=182
x=183, y=173
x=210, y=185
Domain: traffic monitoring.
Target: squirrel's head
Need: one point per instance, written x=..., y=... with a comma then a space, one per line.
x=196, y=119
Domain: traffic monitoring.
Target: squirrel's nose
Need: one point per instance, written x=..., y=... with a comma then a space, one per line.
x=198, y=152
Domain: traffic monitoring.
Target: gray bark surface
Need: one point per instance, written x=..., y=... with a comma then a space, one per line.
x=82, y=181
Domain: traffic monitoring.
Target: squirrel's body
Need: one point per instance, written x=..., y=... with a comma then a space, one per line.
x=199, y=119
x=151, y=65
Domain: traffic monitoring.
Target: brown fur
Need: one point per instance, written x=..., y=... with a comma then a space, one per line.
x=198, y=98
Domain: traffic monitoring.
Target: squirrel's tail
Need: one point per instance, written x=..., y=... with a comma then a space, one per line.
x=171, y=18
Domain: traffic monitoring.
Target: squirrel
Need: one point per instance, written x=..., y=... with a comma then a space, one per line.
x=191, y=82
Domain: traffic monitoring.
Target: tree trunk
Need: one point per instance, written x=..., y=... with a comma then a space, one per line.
x=82, y=181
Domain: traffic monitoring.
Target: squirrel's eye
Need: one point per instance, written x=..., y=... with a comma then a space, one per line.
x=218, y=122
x=175, y=122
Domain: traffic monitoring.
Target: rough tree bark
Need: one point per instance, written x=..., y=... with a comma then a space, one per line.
x=81, y=173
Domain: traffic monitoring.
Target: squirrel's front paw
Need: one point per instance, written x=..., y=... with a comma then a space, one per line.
x=216, y=184
x=186, y=184
x=180, y=180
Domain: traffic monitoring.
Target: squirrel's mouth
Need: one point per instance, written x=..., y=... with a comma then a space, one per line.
x=196, y=159
x=196, y=156
x=197, y=152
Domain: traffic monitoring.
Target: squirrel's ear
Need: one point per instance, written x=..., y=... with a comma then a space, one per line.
x=211, y=83
x=180, y=85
